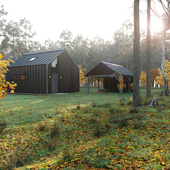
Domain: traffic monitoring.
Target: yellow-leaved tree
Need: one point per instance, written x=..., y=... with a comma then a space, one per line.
x=160, y=79
x=3, y=83
x=121, y=84
x=143, y=78
x=82, y=78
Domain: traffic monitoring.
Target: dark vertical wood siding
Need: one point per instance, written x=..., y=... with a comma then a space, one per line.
x=35, y=78
x=68, y=74
x=111, y=84
x=49, y=79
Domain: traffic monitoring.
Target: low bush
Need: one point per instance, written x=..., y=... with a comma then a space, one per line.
x=52, y=144
x=98, y=130
x=133, y=110
x=16, y=156
x=41, y=127
x=67, y=156
x=78, y=106
x=161, y=99
x=137, y=124
x=58, y=110
x=129, y=102
x=140, y=116
x=160, y=108
x=55, y=130
x=123, y=122
x=114, y=110
x=3, y=125
x=94, y=104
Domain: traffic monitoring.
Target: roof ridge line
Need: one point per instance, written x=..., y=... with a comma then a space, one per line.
x=112, y=64
x=60, y=49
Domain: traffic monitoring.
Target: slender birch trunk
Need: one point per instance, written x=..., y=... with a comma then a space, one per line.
x=166, y=92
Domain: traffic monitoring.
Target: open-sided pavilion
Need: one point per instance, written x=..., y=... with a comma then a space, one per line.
x=110, y=73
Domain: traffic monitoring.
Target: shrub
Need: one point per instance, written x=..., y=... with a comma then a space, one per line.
x=114, y=110
x=96, y=113
x=133, y=110
x=51, y=144
x=78, y=106
x=57, y=110
x=55, y=130
x=147, y=102
x=94, y=104
x=16, y=156
x=3, y=83
x=160, y=108
x=66, y=154
x=161, y=99
x=115, y=119
x=3, y=125
x=41, y=127
x=98, y=130
x=140, y=116
x=122, y=103
x=137, y=124
x=123, y=122
x=93, y=119
x=107, y=105
x=107, y=125
x=163, y=104
x=129, y=102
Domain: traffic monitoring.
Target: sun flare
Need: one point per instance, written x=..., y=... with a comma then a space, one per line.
x=156, y=24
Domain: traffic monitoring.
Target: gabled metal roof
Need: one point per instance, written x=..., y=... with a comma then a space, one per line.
x=105, y=68
x=37, y=58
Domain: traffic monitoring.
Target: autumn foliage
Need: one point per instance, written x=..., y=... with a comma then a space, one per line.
x=3, y=83
x=143, y=78
x=160, y=79
x=154, y=73
x=121, y=84
x=82, y=78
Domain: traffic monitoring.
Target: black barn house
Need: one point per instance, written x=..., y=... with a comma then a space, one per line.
x=45, y=72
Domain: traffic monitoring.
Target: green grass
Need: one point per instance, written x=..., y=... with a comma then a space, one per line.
x=86, y=131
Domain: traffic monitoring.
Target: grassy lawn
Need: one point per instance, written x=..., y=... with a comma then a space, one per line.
x=84, y=131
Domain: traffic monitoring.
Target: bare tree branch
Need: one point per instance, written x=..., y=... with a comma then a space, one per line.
x=155, y=13
x=164, y=7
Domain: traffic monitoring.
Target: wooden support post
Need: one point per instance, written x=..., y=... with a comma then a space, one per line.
x=88, y=85
x=98, y=80
x=129, y=78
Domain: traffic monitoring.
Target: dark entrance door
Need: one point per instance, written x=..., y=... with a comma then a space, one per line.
x=54, y=83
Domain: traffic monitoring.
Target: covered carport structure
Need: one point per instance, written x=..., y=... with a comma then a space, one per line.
x=110, y=73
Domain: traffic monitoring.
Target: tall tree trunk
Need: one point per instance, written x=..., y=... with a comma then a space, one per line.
x=166, y=92
x=148, y=68
x=136, y=54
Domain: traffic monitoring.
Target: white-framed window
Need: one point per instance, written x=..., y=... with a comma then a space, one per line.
x=33, y=58
x=54, y=63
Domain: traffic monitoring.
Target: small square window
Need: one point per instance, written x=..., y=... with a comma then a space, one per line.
x=14, y=77
x=22, y=76
x=18, y=76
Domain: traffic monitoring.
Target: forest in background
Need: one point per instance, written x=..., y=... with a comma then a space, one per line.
x=17, y=38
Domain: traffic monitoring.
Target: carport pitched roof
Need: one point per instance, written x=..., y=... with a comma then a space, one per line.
x=105, y=68
x=37, y=58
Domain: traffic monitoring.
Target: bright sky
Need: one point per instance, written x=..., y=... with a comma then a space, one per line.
x=87, y=17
